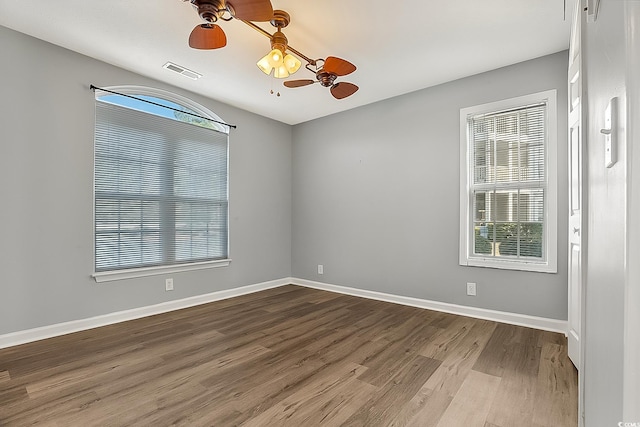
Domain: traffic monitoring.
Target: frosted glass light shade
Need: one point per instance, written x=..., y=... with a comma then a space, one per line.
x=275, y=57
x=281, y=72
x=282, y=65
x=263, y=64
x=292, y=63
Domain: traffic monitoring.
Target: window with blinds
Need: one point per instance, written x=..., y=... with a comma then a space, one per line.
x=160, y=186
x=507, y=189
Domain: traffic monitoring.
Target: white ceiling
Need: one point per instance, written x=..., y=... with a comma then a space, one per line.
x=398, y=47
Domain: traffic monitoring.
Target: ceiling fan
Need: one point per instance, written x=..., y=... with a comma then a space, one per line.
x=326, y=74
x=209, y=35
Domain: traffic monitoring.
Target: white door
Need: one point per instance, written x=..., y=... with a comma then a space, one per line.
x=576, y=194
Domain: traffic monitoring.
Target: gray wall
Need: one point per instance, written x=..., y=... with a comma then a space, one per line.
x=376, y=196
x=46, y=178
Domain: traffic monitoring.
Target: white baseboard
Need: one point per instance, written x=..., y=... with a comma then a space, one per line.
x=542, y=323
x=36, y=334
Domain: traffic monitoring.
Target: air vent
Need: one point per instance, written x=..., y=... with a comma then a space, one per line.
x=181, y=70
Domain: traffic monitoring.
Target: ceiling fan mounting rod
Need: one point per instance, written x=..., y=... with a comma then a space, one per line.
x=309, y=60
x=271, y=37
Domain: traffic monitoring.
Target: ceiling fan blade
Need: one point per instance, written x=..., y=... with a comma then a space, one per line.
x=338, y=66
x=251, y=10
x=207, y=36
x=343, y=89
x=298, y=83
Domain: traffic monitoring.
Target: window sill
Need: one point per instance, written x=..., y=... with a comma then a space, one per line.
x=108, y=276
x=538, y=267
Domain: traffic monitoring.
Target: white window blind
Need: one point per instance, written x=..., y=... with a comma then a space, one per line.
x=507, y=189
x=160, y=190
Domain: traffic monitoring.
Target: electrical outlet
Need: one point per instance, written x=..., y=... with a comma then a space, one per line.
x=320, y=269
x=168, y=284
x=471, y=289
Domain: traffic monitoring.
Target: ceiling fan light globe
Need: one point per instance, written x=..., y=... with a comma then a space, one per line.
x=281, y=72
x=275, y=58
x=264, y=65
x=292, y=63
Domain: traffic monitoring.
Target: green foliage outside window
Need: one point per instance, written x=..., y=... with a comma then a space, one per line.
x=482, y=244
x=506, y=237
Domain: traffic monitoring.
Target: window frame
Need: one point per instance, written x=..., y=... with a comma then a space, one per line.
x=550, y=244
x=134, y=272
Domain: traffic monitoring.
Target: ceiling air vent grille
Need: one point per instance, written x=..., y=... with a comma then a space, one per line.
x=181, y=70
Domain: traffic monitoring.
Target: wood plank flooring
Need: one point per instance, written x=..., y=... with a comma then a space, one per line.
x=293, y=356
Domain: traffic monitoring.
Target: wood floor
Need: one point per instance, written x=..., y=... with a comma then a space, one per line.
x=293, y=356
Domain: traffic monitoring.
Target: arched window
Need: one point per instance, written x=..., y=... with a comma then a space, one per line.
x=160, y=184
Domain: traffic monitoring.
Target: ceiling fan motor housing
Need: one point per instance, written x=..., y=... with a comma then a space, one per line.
x=210, y=11
x=326, y=79
x=280, y=18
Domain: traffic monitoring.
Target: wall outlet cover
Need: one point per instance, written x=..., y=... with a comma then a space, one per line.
x=471, y=289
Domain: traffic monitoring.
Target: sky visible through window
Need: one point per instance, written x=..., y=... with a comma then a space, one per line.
x=125, y=101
